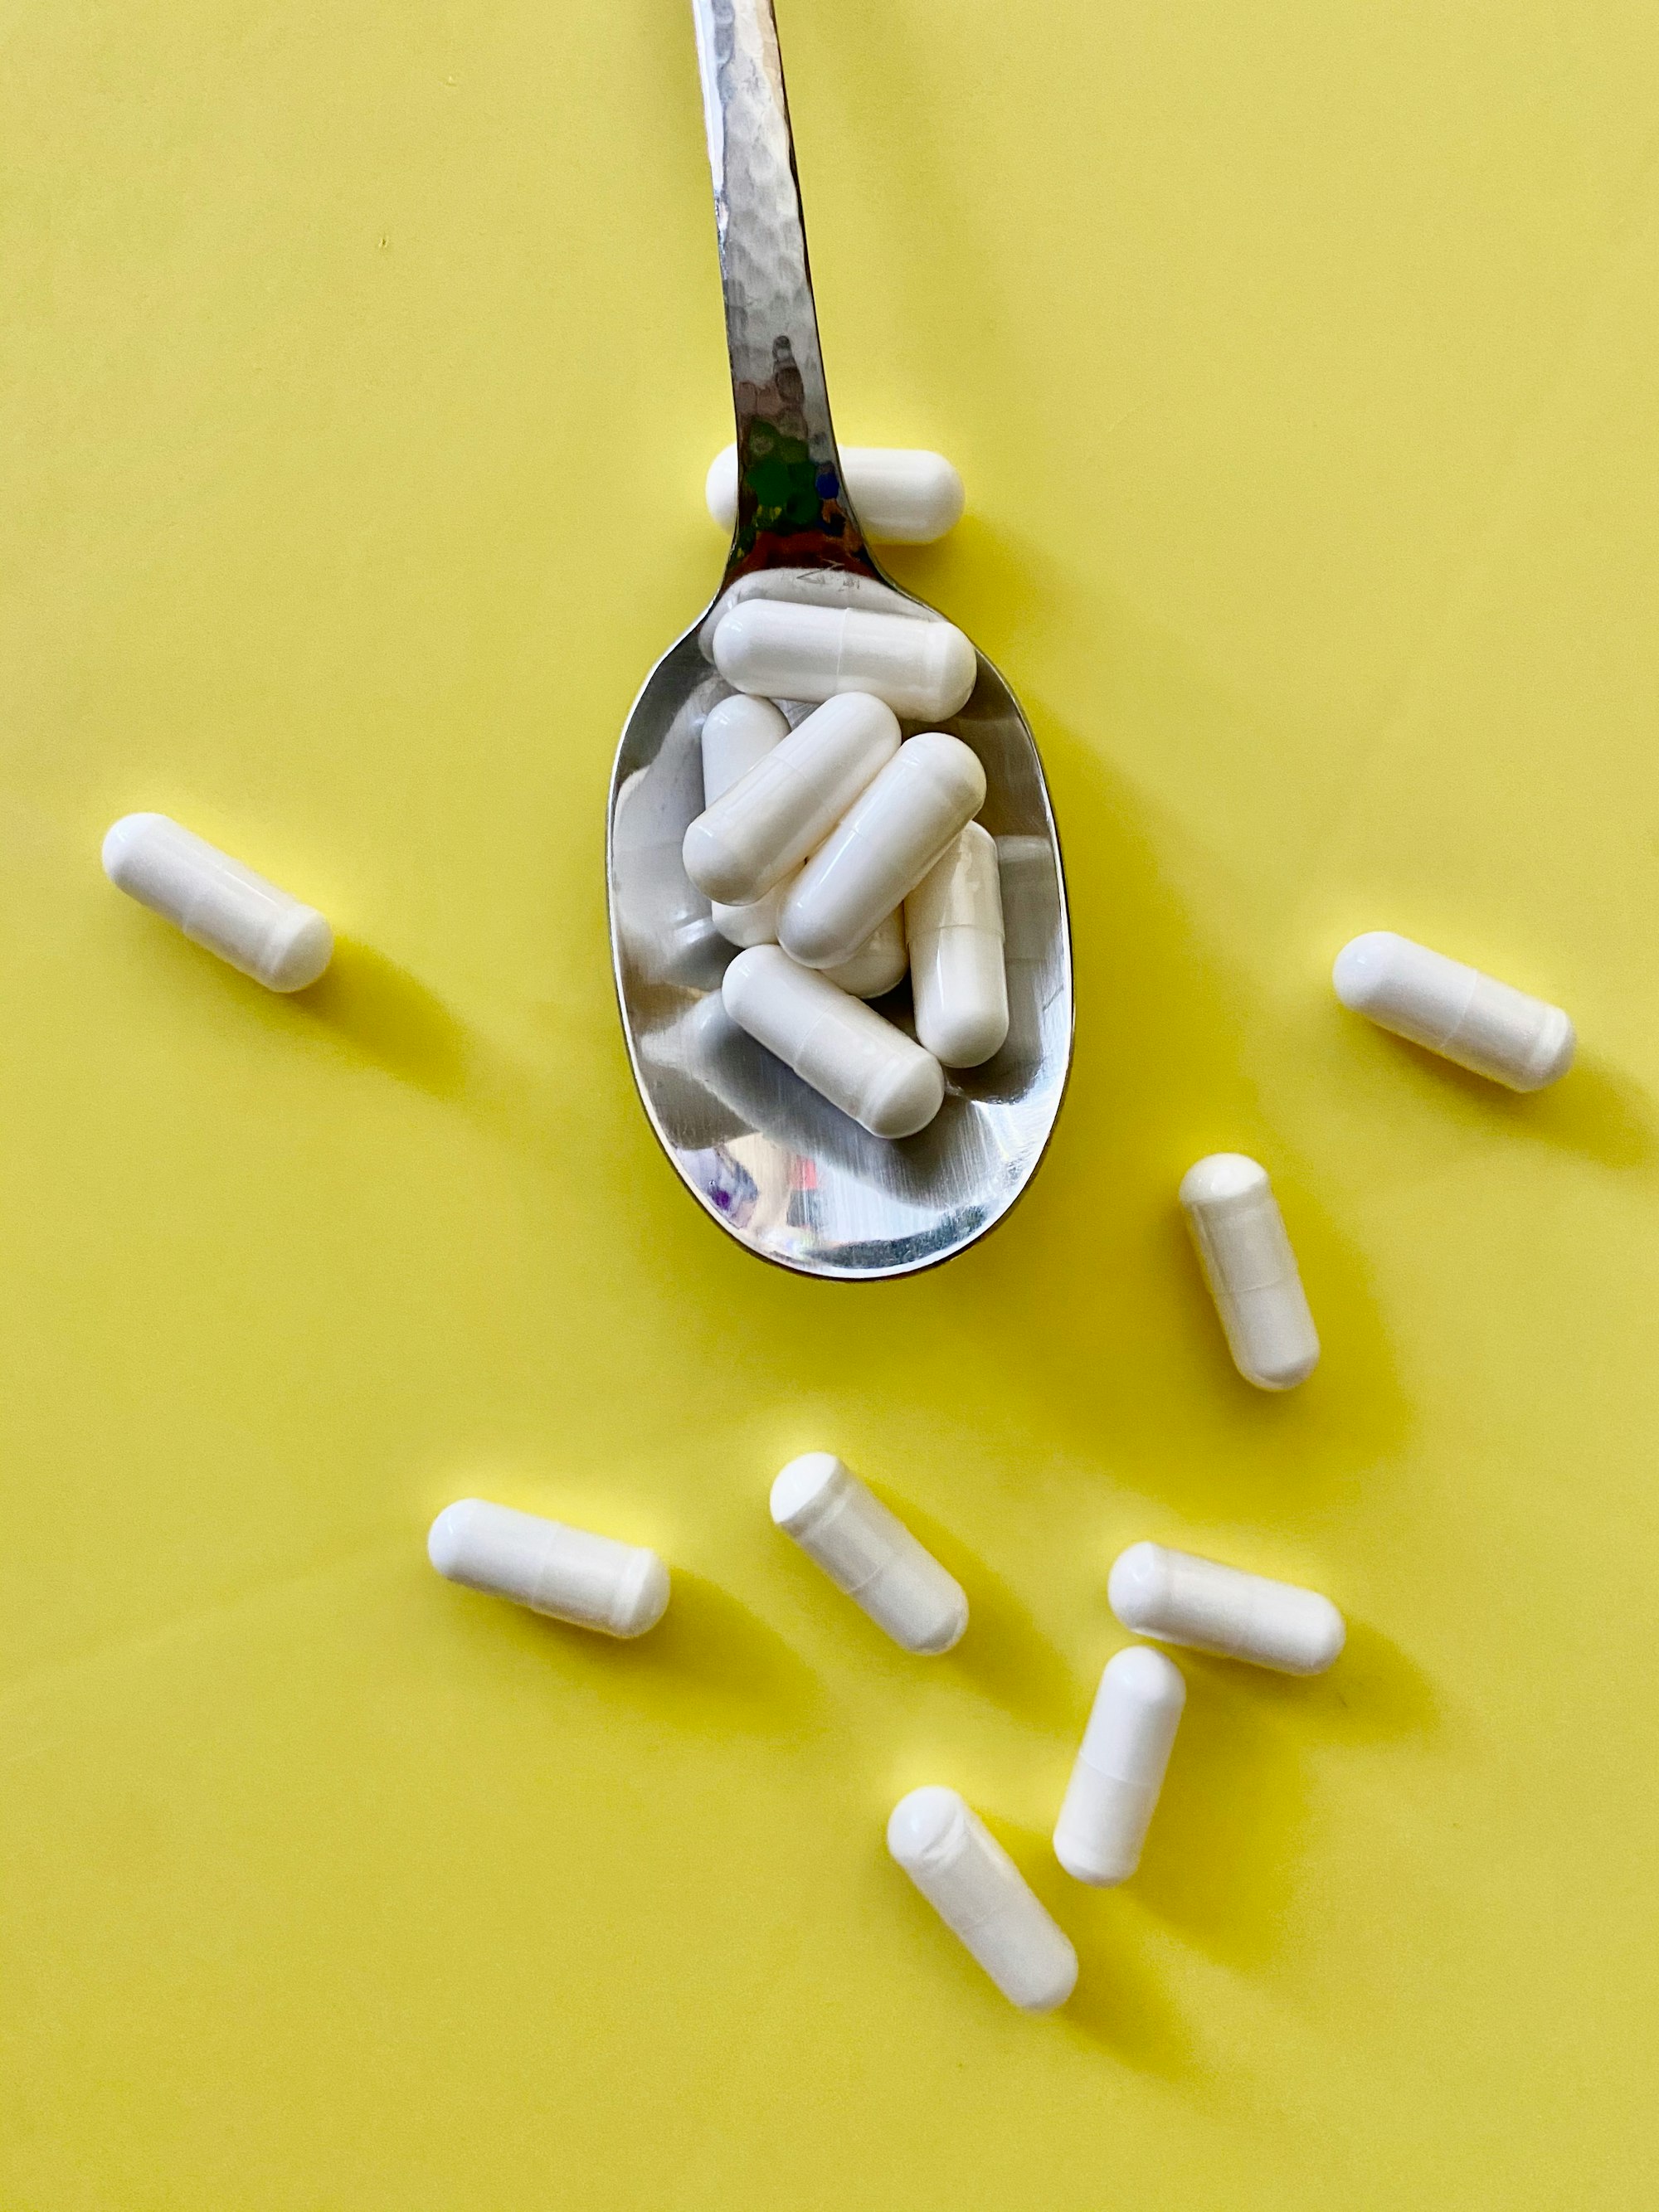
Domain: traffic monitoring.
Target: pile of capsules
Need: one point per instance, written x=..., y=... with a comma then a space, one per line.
x=836, y=853
x=817, y=838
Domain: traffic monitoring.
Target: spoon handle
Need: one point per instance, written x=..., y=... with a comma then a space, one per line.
x=793, y=507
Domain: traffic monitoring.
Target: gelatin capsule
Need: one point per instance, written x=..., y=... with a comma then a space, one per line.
x=738, y=733
x=1251, y=1270
x=900, y=824
x=902, y=495
x=879, y=965
x=217, y=903
x=982, y=1898
x=1113, y=1787
x=867, y=1550
x=842, y=1047
x=953, y=920
x=592, y=1582
x=1488, y=1027
x=1182, y=1599
x=784, y=650
x=761, y=831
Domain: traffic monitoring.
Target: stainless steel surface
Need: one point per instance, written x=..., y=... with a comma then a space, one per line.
x=779, y=1167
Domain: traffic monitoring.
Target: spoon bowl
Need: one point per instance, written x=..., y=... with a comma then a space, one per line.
x=784, y=1171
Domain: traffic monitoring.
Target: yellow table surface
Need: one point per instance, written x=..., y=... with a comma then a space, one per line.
x=361, y=367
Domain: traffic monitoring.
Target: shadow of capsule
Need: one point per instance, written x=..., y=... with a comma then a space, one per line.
x=377, y=1011
x=1596, y=1109
x=1599, y=1111
x=1374, y=1694
x=710, y=1662
x=1220, y=1859
x=1003, y=1654
x=716, y=1655
x=1223, y=1856
x=1116, y=2006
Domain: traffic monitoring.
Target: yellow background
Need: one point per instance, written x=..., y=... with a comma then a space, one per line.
x=361, y=364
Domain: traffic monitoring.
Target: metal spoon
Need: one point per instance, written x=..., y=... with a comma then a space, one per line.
x=778, y=1166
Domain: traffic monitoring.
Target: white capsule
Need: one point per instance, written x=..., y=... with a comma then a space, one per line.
x=1251, y=1270
x=1486, y=1026
x=810, y=587
x=925, y=669
x=218, y=903
x=879, y=963
x=890, y=838
x=982, y=1898
x=901, y=495
x=1182, y=1599
x=953, y=920
x=873, y=969
x=663, y=927
x=1120, y=1768
x=761, y=831
x=869, y=1553
x=738, y=733
x=591, y=1581
x=840, y=1046
x=754, y=924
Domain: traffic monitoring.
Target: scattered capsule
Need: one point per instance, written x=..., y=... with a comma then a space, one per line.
x=879, y=963
x=842, y=1047
x=218, y=903
x=1113, y=1787
x=901, y=495
x=1251, y=1270
x=891, y=835
x=761, y=831
x=592, y=1582
x=1181, y=1599
x=1486, y=1026
x=923, y=669
x=982, y=1898
x=868, y=1551
x=738, y=733
x=953, y=920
